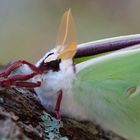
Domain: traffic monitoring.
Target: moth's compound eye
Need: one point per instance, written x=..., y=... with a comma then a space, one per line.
x=53, y=65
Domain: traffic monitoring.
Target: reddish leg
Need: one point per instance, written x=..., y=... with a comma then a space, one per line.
x=16, y=65
x=17, y=81
x=27, y=84
x=32, y=67
x=57, y=106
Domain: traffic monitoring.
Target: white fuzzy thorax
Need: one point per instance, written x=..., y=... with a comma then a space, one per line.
x=54, y=81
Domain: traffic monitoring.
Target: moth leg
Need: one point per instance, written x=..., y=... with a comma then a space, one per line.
x=19, y=78
x=31, y=66
x=57, y=106
x=27, y=84
x=16, y=65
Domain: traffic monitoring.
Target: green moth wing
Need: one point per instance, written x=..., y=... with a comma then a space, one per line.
x=108, y=88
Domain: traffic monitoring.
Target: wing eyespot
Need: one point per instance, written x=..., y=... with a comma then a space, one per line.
x=132, y=91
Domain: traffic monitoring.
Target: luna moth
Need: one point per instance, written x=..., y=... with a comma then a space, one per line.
x=104, y=89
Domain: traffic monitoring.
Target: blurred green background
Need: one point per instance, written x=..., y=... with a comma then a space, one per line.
x=28, y=28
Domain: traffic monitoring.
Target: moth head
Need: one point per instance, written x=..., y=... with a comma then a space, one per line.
x=66, y=45
x=50, y=61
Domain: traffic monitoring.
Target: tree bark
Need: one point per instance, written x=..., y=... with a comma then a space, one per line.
x=20, y=117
